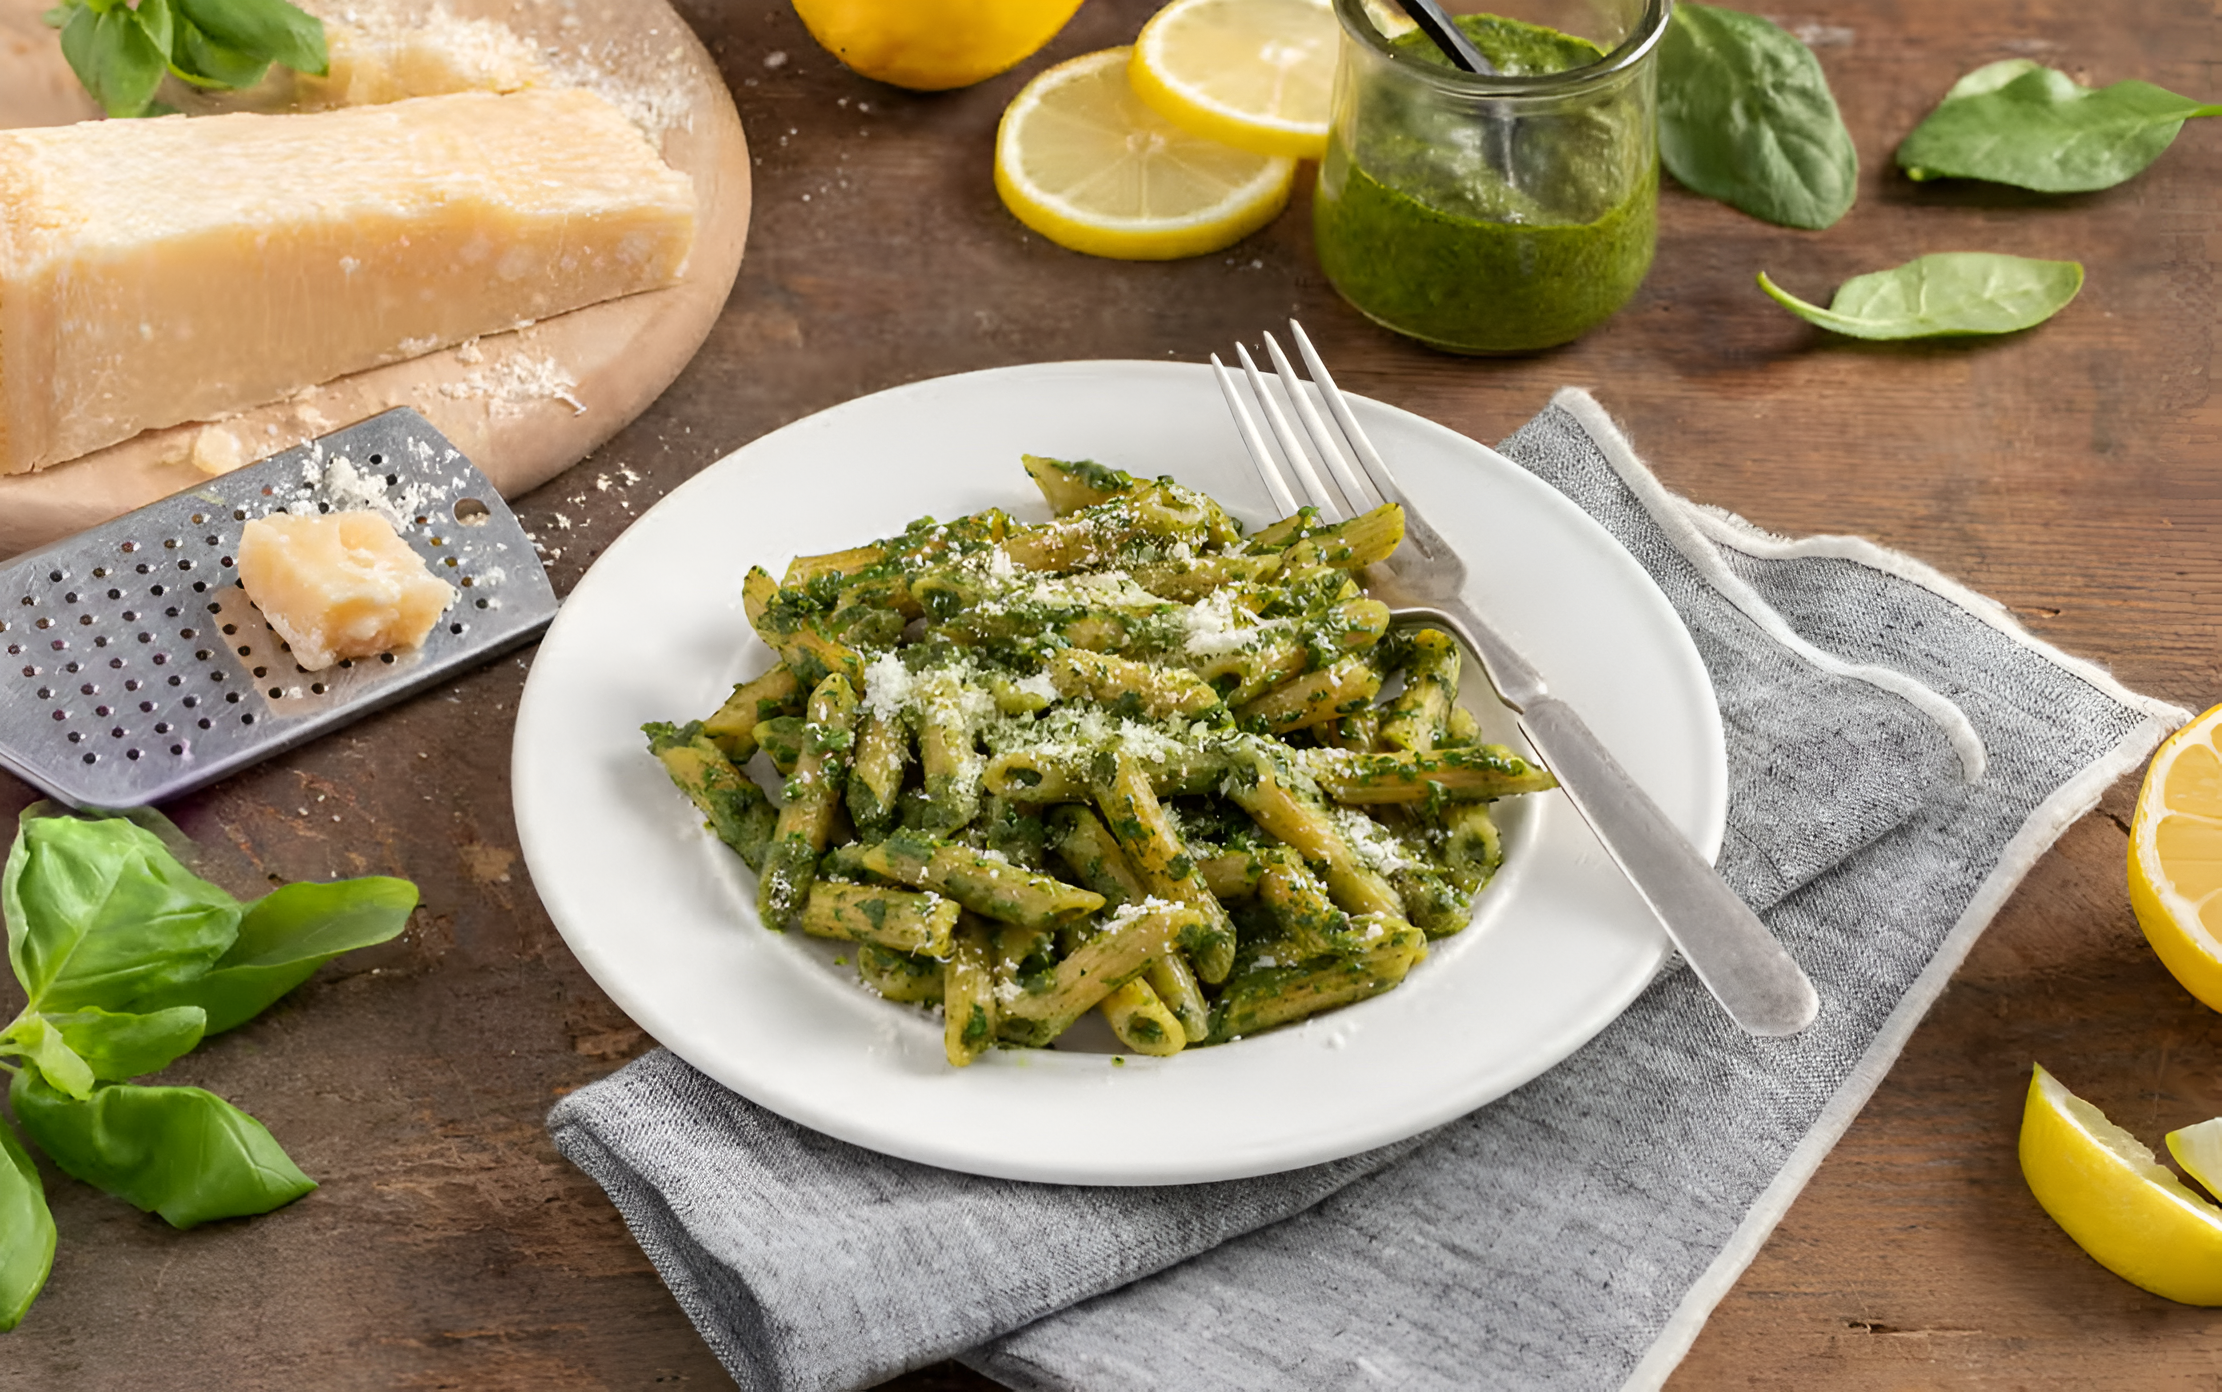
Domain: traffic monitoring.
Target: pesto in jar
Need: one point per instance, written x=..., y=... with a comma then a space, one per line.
x=1489, y=228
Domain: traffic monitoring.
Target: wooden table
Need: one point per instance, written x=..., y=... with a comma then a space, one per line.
x=2074, y=473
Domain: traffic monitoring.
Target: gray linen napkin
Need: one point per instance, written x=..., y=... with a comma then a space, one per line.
x=1900, y=752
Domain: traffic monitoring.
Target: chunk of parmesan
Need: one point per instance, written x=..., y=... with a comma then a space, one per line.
x=343, y=584
x=160, y=271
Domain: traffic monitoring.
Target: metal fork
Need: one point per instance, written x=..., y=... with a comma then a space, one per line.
x=1725, y=943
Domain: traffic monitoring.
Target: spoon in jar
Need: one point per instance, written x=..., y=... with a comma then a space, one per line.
x=1447, y=36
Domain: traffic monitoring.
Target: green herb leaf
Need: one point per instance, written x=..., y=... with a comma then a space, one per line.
x=99, y=912
x=181, y=1152
x=1961, y=292
x=200, y=60
x=26, y=1231
x=269, y=29
x=116, y=1046
x=285, y=936
x=2037, y=128
x=114, y=56
x=1745, y=116
x=31, y=1037
x=154, y=17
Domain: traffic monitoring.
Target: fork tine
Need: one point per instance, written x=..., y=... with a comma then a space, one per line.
x=1298, y=458
x=1261, y=457
x=1360, y=493
x=1369, y=458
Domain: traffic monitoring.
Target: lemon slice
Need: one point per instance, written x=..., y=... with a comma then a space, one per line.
x=2175, y=857
x=1253, y=73
x=1082, y=161
x=2105, y=1188
x=2199, y=1150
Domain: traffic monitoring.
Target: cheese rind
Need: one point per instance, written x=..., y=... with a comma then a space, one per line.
x=155, y=272
x=341, y=584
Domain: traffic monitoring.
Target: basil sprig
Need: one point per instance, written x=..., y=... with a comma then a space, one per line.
x=127, y=960
x=121, y=52
x=1746, y=116
x=2018, y=122
x=1948, y=294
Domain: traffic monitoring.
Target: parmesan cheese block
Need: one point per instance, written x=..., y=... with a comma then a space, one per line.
x=342, y=584
x=159, y=271
x=383, y=58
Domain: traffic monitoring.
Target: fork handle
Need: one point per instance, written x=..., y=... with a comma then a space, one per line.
x=1731, y=951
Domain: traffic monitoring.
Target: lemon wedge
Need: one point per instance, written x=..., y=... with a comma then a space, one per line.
x=1254, y=74
x=1082, y=161
x=2105, y=1188
x=2199, y=1150
x=933, y=45
x=2175, y=857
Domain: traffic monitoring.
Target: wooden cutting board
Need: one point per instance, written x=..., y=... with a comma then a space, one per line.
x=523, y=405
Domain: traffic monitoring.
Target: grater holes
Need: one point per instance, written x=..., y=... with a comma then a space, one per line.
x=473, y=512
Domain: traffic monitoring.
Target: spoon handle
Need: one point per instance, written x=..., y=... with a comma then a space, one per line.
x=1437, y=25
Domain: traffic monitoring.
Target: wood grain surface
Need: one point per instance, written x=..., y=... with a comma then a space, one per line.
x=2073, y=472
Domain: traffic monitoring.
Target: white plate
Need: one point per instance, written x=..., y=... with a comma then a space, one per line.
x=663, y=916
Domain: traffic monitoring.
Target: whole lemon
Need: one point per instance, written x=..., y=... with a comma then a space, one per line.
x=931, y=45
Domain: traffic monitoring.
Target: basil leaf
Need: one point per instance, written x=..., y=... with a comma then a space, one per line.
x=285, y=936
x=117, y=1046
x=154, y=17
x=1746, y=116
x=113, y=55
x=181, y=1152
x=100, y=911
x=1960, y=292
x=269, y=29
x=33, y=1038
x=2041, y=129
x=200, y=60
x=26, y=1231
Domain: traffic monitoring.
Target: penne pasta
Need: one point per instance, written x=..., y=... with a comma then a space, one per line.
x=1024, y=769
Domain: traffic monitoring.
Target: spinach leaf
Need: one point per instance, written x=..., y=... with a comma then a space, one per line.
x=115, y=53
x=269, y=29
x=285, y=936
x=1959, y=292
x=1746, y=116
x=117, y=1046
x=183, y=1153
x=100, y=911
x=2040, y=129
x=26, y=1231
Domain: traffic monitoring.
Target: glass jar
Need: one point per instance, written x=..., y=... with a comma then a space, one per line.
x=1494, y=214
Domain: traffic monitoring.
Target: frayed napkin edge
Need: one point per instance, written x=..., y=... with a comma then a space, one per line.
x=1676, y=516
x=1696, y=530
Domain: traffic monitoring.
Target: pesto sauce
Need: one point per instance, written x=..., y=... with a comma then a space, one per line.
x=1440, y=247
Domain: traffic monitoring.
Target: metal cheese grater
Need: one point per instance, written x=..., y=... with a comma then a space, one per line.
x=138, y=670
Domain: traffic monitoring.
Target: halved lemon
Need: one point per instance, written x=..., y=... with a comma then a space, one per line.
x=1082, y=161
x=933, y=45
x=2106, y=1189
x=1254, y=74
x=2175, y=857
